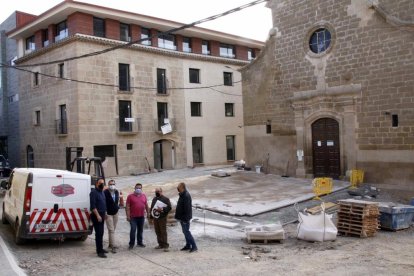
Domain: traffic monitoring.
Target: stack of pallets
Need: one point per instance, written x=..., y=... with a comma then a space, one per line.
x=358, y=218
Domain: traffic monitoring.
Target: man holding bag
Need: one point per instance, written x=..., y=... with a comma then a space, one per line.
x=160, y=207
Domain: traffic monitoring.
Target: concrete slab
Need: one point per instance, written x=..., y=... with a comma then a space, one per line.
x=215, y=222
x=250, y=193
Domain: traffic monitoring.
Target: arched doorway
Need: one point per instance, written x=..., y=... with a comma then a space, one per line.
x=164, y=154
x=325, y=148
x=30, y=157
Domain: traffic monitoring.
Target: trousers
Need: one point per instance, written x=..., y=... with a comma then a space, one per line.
x=160, y=226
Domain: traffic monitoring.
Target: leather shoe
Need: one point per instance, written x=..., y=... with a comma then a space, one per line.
x=185, y=248
x=104, y=251
x=141, y=245
x=101, y=255
x=193, y=250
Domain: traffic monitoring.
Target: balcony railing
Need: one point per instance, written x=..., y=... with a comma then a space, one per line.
x=161, y=122
x=227, y=55
x=167, y=46
x=187, y=50
x=205, y=52
x=128, y=125
x=63, y=34
x=61, y=127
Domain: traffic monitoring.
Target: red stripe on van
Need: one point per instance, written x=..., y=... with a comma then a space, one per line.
x=75, y=220
x=82, y=219
x=39, y=219
x=67, y=220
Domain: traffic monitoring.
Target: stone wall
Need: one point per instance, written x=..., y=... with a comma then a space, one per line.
x=365, y=77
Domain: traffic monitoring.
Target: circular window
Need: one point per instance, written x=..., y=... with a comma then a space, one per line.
x=320, y=40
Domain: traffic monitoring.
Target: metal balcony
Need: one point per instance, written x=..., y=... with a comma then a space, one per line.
x=128, y=126
x=160, y=122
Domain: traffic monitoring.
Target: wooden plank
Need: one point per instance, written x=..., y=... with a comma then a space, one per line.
x=317, y=209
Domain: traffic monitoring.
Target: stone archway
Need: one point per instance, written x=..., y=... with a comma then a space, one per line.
x=164, y=154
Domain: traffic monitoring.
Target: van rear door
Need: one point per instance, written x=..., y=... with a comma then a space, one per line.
x=75, y=203
x=46, y=203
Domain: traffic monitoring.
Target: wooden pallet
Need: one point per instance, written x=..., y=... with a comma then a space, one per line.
x=329, y=207
x=264, y=241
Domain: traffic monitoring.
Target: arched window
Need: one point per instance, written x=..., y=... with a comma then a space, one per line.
x=320, y=40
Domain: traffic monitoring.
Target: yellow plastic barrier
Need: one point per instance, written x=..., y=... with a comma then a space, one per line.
x=322, y=186
x=357, y=177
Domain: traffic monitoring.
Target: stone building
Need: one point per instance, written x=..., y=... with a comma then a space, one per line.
x=166, y=102
x=9, y=90
x=333, y=90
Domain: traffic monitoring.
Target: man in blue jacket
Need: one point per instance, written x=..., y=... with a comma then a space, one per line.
x=112, y=207
x=184, y=213
x=98, y=208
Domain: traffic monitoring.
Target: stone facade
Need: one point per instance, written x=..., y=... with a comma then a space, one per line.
x=92, y=111
x=364, y=81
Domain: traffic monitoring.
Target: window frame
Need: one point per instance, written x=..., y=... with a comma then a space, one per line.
x=61, y=30
x=191, y=76
x=121, y=79
x=251, y=55
x=128, y=29
x=124, y=126
x=162, y=81
x=207, y=44
x=199, y=141
x=63, y=119
x=163, y=38
x=61, y=70
x=233, y=138
x=228, y=78
x=45, y=37
x=36, y=79
x=187, y=40
x=196, y=109
x=226, y=48
x=37, y=118
x=96, y=31
x=30, y=43
x=146, y=35
x=226, y=109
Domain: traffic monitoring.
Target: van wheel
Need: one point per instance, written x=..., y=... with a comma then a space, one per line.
x=83, y=238
x=3, y=217
x=17, y=239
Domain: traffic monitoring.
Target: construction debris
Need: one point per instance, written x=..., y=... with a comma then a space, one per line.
x=366, y=191
x=358, y=218
x=330, y=208
x=265, y=233
x=220, y=173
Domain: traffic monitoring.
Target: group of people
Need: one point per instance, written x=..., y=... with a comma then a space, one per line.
x=105, y=207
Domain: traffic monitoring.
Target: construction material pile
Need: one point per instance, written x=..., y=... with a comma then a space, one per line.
x=358, y=218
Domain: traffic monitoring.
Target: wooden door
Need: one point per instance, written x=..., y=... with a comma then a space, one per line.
x=325, y=145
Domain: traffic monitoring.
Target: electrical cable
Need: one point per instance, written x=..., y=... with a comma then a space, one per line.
x=2, y=65
x=126, y=45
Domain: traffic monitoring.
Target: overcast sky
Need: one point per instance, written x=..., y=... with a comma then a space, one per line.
x=254, y=22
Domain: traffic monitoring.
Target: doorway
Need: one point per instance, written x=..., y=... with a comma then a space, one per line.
x=109, y=158
x=164, y=154
x=325, y=148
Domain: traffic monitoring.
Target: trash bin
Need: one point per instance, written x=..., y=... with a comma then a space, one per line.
x=258, y=168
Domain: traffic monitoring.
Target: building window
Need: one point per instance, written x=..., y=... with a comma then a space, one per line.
x=205, y=47
x=195, y=109
x=187, y=45
x=145, y=34
x=30, y=43
x=227, y=51
x=98, y=27
x=197, y=143
x=129, y=146
x=161, y=81
x=228, y=78
x=320, y=40
x=229, y=109
x=61, y=123
x=29, y=157
x=61, y=70
x=194, y=75
x=124, y=84
x=231, y=147
x=125, y=32
x=125, y=113
x=394, y=118
x=35, y=78
x=268, y=127
x=45, y=37
x=14, y=98
x=167, y=41
x=61, y=31
x=37, y=118
x=251, y=54
x=162, y=114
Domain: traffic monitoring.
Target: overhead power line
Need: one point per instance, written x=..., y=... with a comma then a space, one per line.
x=174, y=30
x=2, y=65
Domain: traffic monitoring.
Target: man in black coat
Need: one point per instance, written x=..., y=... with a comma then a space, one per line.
x=184, y=213
x=112, y=207
x=98, y=208
x=159, y=214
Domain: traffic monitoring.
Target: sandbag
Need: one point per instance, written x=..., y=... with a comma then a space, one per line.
x=316, y=227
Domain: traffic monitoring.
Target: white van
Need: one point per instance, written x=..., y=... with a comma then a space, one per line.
x=47, y=204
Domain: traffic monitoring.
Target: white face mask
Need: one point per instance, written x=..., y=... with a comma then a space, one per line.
x=112, y=187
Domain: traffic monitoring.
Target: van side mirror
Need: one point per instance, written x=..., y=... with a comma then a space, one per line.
x=5, y=185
